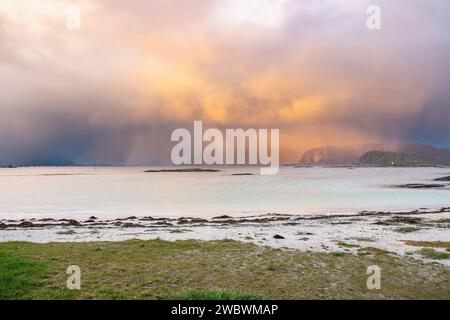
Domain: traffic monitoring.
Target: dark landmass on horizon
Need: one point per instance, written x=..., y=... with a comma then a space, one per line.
x=402, y=154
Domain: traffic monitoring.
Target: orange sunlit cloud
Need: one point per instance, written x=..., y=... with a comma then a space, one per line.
x=135, y=70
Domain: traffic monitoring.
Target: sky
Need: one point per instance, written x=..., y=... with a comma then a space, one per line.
x=114, y=90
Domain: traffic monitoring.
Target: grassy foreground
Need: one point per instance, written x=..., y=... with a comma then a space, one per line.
x=203, y=270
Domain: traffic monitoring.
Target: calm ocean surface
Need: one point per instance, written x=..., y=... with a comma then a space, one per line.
x=114, y=192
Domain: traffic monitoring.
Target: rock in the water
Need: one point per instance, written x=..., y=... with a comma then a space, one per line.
x=26, y=224
x=222, y=217
x=71, y=222
x=277, y=236
x=420, y=186
x=443, y=179
x=130, y=225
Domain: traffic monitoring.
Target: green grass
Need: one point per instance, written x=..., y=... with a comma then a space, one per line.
x=179, y=230
x=346, y=245
x=224, y=269
x=433, y=254
x=407, y=229
x=18, y=276
x=371, y=251
x=338, y=254
x=429, y=244
x=218, y=294
x=66, y=232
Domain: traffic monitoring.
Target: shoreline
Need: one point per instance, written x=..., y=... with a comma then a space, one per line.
x=405, y=233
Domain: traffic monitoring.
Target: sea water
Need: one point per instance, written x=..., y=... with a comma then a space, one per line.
x=126, y=191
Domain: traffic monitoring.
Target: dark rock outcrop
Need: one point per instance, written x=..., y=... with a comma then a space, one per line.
x=393, y=159
x=443, y=179
x=337, y=155
x=349, y=155
x=420, y=186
